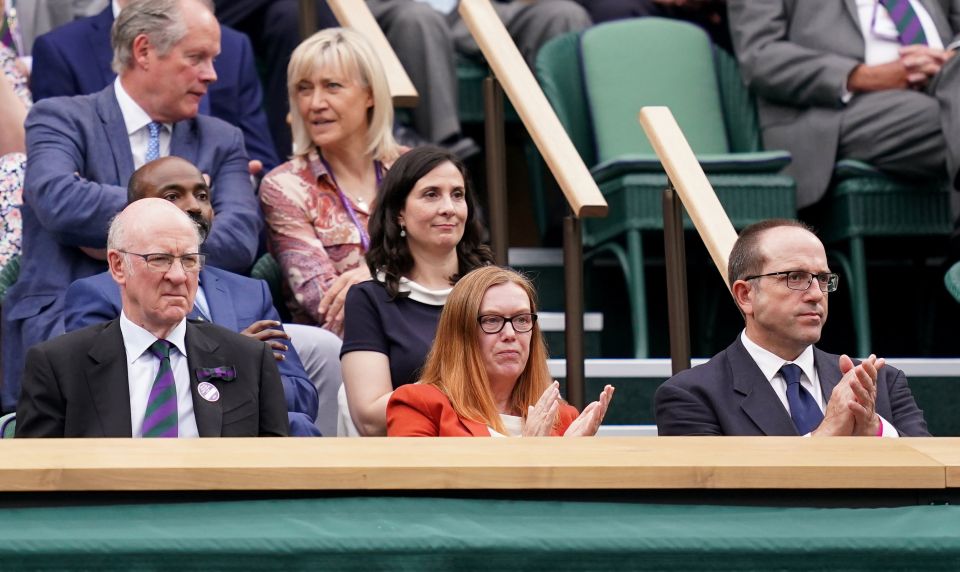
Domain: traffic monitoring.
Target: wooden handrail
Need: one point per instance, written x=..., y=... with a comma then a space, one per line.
x=691, y=184
x=355, y=14
x=615, y=463
x=535, y=111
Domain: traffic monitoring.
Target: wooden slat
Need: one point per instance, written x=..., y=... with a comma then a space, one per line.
x=466, y=463
x=535, y=111
x=945, y=450
x=355, y=14
x=691, y=183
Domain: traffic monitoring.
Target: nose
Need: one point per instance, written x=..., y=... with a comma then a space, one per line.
x=190, y=203
x=208, y=73
x=813, y=291
x=176, y=273
x=318, y=100
x=446, y=204
x=508, y=334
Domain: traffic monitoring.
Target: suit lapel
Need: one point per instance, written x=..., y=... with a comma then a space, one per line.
x=219, y=301
x=828, y=371
x=100, y=44
x=183, y=141
x=201, y=354
x=106, y=376
x=475, y=429
x=116, y=130
x=760, y=402
x=854, y=14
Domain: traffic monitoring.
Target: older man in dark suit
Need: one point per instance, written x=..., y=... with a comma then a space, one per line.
x=152, y=373
x=772, y=380
x=82, y=150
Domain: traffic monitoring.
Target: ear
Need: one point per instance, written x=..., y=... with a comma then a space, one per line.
x=141, y=51
x=369, y=102
x=117, y=269
x=743, y=292
x=400, y=219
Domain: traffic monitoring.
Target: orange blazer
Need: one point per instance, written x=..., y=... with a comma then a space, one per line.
x=416, y=410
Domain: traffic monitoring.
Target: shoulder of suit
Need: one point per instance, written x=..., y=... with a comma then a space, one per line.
x=225, y=335
x=75, y=338
x=704, y=372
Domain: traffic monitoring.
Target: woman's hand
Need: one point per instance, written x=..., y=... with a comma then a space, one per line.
x=331, y=305
x=542, y=416
x=587, y=423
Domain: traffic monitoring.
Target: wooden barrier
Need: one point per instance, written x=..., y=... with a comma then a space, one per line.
x=355, y=15
x=628, y=463
x=691, y=184
x=534, y=110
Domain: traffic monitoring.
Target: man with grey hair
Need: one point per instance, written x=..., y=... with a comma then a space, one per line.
x=150, y=372
x=82, y=150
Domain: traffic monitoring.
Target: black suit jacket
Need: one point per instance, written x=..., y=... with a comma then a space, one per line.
x=76, y=385
x=729, y=395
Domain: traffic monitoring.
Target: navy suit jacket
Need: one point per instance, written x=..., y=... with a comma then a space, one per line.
x=76, y=385
x=74, y=59
x=234, y=301
x=729, y=395
x=78, y=164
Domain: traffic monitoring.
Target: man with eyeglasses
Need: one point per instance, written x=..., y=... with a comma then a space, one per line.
x=773, y=380
x=230, y=300
x=872, y=80
x=150, y=372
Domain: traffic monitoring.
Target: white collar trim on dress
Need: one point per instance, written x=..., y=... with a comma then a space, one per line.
x=420, y=293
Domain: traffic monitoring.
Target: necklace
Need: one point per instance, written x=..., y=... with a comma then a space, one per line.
x=364, y=237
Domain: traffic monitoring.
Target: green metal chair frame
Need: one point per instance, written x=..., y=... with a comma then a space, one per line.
x=667, y=62
x=9, y=274
x=864, y=203
x=8, y=425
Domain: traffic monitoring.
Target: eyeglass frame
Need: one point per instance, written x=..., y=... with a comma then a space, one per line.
x=201, y=259
x=505, y=320
x=835, y=279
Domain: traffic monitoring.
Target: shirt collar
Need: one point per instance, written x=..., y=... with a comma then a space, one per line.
x=134, y=117
x=420, y=293
x=770, y=363
x=137, y=340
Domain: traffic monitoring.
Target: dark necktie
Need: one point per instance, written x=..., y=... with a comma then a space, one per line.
x=906, y=20
x=160, y=418
x=804, y=410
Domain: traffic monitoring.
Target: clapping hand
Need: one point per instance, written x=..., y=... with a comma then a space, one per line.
x=543, y=416
x=588, y=422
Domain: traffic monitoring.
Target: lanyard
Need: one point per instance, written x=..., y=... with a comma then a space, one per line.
x=364, y=237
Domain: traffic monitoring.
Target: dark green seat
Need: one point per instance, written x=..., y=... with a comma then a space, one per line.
x=9, y=274
x=598, y=81
x=952, y=281
x=864, y=203
x=268, y=269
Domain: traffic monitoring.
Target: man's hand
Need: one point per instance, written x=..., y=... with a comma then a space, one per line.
x=919, y=59
x=891, y=75
x=589, y=420
x=331, y=305
x=542, y=416
x=862, y=381
x=263, y=330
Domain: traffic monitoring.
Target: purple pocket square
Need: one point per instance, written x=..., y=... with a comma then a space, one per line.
x=223, y=373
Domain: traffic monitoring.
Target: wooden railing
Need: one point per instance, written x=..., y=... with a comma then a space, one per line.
x=355, y=15
x=687, y=186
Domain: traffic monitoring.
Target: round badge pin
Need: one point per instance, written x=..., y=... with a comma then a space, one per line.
x=208, y=391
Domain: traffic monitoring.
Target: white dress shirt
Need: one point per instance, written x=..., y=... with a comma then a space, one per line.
x=770, y=364
x=136, y=121
x=880, y=36
x=142, y=368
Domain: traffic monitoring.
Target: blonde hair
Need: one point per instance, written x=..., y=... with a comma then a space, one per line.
x=455, y=366
x=348, y=52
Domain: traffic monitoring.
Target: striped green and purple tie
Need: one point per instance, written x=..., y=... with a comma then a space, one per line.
x=906, y=20
x=160, y=418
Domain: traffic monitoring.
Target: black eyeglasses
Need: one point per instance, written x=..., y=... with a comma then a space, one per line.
x=492, y=323
x=801, y=280
x=163, y=262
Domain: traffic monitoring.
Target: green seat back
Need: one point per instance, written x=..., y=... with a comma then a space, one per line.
x=268, y=269
x=651, y=61
x=558, y=70
x=952, y=281
x=9, y=274
x=8, y=425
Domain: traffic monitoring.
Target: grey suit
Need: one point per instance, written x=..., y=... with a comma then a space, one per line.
x=729, y=395
x=796, y=55
x=76, y=385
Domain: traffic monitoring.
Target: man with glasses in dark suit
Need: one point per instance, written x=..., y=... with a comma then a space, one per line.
x=773, y=380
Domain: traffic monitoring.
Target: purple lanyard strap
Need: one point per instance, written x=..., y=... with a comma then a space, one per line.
x=364, y=237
